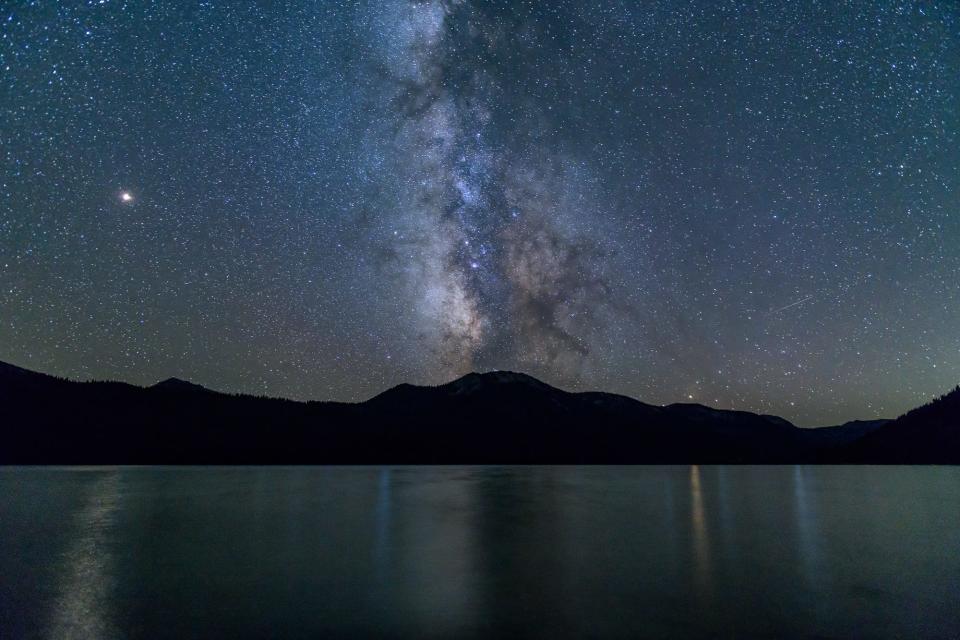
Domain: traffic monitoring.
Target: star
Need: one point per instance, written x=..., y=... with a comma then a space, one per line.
x=126, y=196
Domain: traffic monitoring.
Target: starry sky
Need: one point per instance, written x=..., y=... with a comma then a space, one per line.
x=752, y=205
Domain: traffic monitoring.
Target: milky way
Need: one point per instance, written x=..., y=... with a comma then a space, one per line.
x=749, y=206
x=497, y=270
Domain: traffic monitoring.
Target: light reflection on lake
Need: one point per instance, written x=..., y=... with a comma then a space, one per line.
x=82, y=607
x=480, y=552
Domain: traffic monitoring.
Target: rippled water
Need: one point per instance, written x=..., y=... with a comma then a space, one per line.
x=480, y=552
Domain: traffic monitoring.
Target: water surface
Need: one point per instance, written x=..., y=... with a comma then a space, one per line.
x=305, y=552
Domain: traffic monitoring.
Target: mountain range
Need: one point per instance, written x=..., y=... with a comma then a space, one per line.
x=496, y=417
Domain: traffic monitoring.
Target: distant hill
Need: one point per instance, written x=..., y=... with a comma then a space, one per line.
x=497, y=417
x=927, y=434
x=179, y=386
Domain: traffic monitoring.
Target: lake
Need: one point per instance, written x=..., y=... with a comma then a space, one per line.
x=451, y=552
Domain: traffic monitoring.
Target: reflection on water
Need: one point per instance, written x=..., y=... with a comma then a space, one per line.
x=82, y=608
x=435, y=551
x=701, y=539
x=806, y=525
x=786, y=552
x=381, y=547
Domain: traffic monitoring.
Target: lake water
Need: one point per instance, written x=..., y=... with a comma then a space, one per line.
x=449, y=552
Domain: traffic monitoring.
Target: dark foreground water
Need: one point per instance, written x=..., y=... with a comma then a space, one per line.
x=727, y=552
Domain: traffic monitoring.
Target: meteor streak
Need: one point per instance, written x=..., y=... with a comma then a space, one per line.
x=792, y=304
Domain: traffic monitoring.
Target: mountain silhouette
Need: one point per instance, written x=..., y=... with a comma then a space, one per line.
x=179, y=386
x=495, y=417
x=927, y=434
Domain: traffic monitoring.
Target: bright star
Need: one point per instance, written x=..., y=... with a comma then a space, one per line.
x=126, y=196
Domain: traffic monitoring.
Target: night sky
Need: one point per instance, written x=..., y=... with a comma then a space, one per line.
x=750, y=205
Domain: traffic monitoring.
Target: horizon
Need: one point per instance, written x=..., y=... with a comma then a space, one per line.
x=687, y=401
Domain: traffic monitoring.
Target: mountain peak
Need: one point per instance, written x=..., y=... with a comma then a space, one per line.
x=474, y=381
x=176, y=384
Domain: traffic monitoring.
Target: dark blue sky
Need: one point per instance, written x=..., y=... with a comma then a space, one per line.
x=749, y=205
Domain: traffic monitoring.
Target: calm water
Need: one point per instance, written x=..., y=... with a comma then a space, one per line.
x=473, y=551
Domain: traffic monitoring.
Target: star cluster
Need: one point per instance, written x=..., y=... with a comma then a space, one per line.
x=749, y=205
